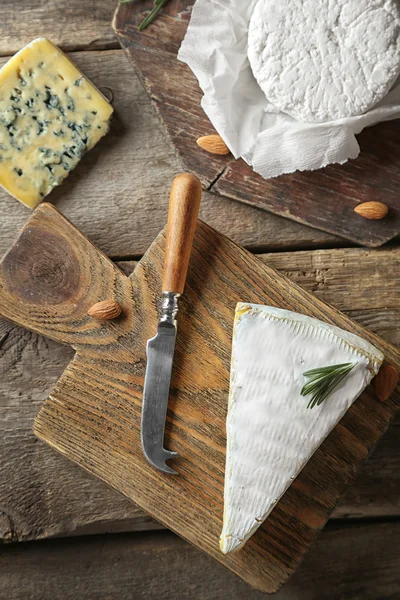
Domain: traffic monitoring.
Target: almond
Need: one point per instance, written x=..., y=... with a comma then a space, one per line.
x=385, y=382
x=214, y=144
x=106, y=309
x=372, y=210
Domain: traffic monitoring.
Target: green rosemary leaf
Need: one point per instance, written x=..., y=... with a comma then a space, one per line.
x=321, y=371
x=158, y=5
x=322, y=381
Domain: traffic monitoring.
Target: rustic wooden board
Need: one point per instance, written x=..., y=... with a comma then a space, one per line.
x=44, y=495
x=323, y=199
x=50, y=278
x=347, y=562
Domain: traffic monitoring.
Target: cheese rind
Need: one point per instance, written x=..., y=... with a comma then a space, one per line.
x=271, y=434
x=320, y=61
x=50, y=115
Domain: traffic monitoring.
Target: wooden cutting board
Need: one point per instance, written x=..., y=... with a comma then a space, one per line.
x=48, y=281
x=323, y=199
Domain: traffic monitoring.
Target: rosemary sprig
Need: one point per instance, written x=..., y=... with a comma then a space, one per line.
x=322, y=381
x=158, y=4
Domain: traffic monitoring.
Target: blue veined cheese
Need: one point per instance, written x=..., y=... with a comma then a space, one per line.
x=271, y=434
x=50, y=115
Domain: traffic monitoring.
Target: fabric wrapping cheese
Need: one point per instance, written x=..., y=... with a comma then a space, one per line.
x=271, y=434
x=271, y=141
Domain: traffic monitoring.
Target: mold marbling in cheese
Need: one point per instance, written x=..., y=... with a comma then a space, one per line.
x=50, y=115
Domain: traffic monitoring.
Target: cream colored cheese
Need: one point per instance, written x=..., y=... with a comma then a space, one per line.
x=271, y=434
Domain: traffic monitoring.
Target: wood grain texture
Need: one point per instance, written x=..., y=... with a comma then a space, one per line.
x=118, y=194
x=324, y=199
x=183, y=211
x=173, y=88
x=5, y=328
x=346, y=563
x=41, y=493
x=93, y=414
x=73, y=25
x=44, y=495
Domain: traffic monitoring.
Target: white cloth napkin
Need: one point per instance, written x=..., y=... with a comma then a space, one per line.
x=272, y=142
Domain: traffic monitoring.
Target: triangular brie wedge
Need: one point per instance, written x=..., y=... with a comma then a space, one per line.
x=271, y=434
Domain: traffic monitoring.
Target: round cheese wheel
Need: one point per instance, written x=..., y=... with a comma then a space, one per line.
x=319, y=60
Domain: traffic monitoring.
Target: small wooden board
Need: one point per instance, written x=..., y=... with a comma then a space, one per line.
x=323, y=199
x=48, y=281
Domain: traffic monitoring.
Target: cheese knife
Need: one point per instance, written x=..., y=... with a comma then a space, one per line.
x=183, y=210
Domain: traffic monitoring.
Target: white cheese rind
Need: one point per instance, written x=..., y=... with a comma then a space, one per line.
x=320, y=61
x=271, y=434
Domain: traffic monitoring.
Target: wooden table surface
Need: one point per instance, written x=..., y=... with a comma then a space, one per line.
x=85, y=540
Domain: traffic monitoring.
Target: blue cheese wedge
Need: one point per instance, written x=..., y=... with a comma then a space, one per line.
x=271, y=434
x=50, y=115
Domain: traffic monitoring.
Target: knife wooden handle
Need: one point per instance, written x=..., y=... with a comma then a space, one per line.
x=184, y=204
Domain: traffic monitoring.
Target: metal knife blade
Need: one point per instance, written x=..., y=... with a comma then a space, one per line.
x=182, y=219
x=160, y=354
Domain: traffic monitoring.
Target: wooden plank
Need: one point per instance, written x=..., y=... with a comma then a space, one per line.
x=346, y=562
x=173, y=88
x=44, y=495
x=74, y=25
x=118, y=194
x=49, y=280
x=41, y=493
x=324, y=199
x=5, y=329
x=352, y=279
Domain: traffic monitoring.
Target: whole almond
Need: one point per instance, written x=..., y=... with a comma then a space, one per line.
x=214, y=144
x=385, y=382
x=372, y=210
x=106, y=310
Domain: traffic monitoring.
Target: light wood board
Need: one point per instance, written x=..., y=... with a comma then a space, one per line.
x=50, y=278
x=43, y=495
